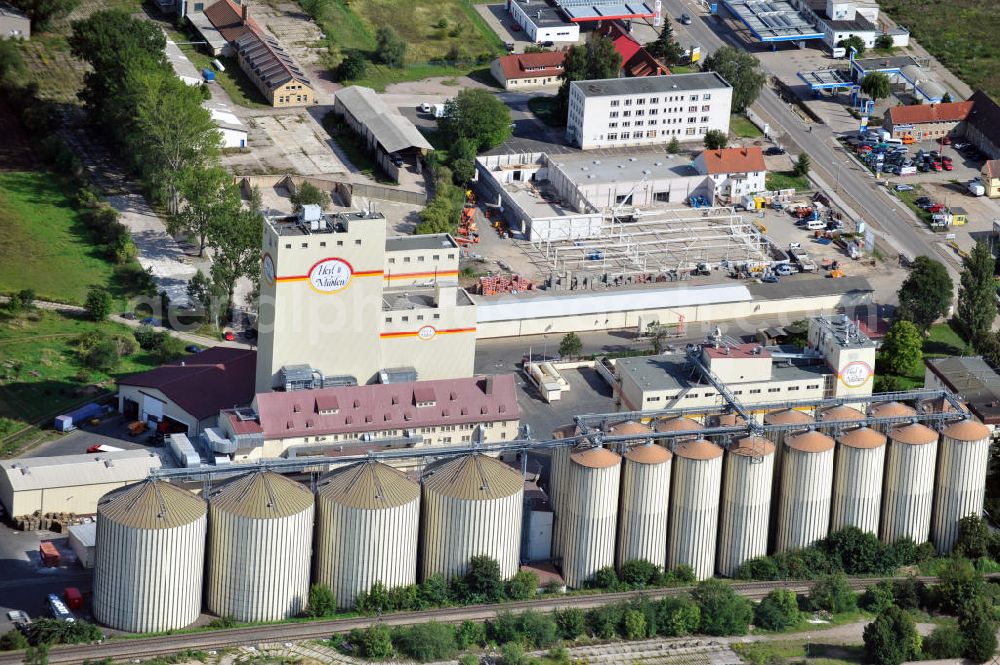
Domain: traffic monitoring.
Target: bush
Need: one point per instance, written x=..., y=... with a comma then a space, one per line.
x=891, y=638
x=761, y=568
x=723, y=612
x=470, y=634
x=321, y=603
x=834, y=595
x=677, y=617
x=391, y=48
x=484, y=581
x=433, y=591
x=634, y=625
x=946, y=641
x=877, y=598
x=353, y=67
x=538, y=630
x=522, y=586
x=103, y=356
x=468, y=659
x=426, y=642
x=51, y=631
x=98, y=303
x=377, y=642
x=604, y=621
x=908, y=592
x=976, y=622
x=778, y=610
x=512, y=653
x=13, y=640
x=856, y=552
x=572, y=623
x=605, y=578
x=973, y=539
x=639, y=573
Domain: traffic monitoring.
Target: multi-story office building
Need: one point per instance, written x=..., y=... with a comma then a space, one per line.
x=647, y=110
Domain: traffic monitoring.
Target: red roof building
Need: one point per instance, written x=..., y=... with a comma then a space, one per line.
x=636, y=61
x=924, y=113
x=732, y=160
x=228, y=18
x=526, y=70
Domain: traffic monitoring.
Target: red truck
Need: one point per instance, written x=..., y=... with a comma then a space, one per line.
x=50, y=555
x=74, y=599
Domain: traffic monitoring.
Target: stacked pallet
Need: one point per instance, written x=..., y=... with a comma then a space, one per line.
x=492, y=285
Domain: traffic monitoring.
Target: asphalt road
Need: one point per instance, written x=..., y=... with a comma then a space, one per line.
x=892, y=219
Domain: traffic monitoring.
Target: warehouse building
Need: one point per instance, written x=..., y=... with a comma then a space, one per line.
x=69, y=483
x=231, y=129
x=348, y=420
x=520, y=71
x=327, y=279
x=648, y=110
x=188, y=393
x=278, y=77
x=972, y=379
x=542, y=22
x=838, y=20
x=383, y=131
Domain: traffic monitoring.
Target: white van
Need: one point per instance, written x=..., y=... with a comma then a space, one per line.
x=815, y=225
x=893, y=141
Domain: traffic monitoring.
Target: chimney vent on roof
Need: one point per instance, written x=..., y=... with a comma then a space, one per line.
x=246, y=12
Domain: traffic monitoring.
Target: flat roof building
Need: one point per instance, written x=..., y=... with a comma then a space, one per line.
x=972, y=379
x=647, y=110
x=543, y=22
x=837, y=20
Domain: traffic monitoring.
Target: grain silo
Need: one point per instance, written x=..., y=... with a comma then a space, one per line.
x=806, y=485
x=909, y=483
x=473, y=506
x=961, y=479
x=367, y=523
x=674, y=426
x=694, y=506
x=787, y=417
x=727, y=420
x=859, y=463
x=589, y=517
x=840, y=413
x=558, y=467
x=745, y=508
x=891, y=410
x=260, y=529
x=645, y=501
x=629, y=427
x=149, y=558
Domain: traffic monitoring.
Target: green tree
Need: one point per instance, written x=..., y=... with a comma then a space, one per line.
x=605, y=620
x=946, y=641
x=778, y=610
x=976, y=306
x=390, y=47
x=833, y=594
x=877, y=598
x=512, y=653
x=876, y=85
x=522, y=586
x=235, y=240
x=572, y=623
x=605, y=578
x=639, y=573
x=857, y=552
x=854, y=42
x=716, y=139
x=891, y=638
x=37, y=655
x=742, y=70
x=665, y=46
x=925, y=294
x=974, y=537
x=43, y=12
x=723, y=611
x=961, y=584
x=946, y=98
x=484, y=579
x=98, y=303
x=309, y=194
x=103, y=356
x=635, y=625
x=354, y=66
x=375, y=600
x=12, y=65
x=537, y=630
x=677, y=616
x=802, y=165
x=478, y=116
x=597, y=59
x=470, y=634
x=12, y=640
x=976, y=622
x=674, y=146
x=434, y=591
x=321, y=602
x=207, y=195
x=883, y=42
x=426, y=642
x=902, y=349
x=570, y=346
x=377, y=643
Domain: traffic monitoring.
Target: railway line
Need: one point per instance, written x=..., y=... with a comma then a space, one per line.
x=148, y=647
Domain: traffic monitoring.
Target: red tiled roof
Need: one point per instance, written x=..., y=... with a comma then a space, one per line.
x=923, y=113
x=738, y=351
x=644, y=64
x=241, y=426
x=379, y=406
x=532, y=65
x=204, y=383
x=992, y=168
x=227, y=17
x=625, y=45
x=734, y=160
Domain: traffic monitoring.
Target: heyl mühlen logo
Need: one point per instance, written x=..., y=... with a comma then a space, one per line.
x=856, y=374
x=268, y=269
x=330, y=275
x=427, y=332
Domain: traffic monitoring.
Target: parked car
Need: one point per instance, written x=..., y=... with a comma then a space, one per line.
x=924, y=200
x=685, y=19
x=947, y=166
x=228, y=335
x=784, y=270
x=904, y=188
x=769, y=279
x=936, y=208
x=775, y=150
x=192, y=348
x=426, y=108
x=548, y=43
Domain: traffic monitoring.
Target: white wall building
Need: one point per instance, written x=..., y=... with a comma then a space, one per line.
x=735, y=171
x=233, y=131
x=542, y=23
x=840, y=19
x=647, y=110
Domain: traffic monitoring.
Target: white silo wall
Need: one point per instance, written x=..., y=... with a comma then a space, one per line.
x=645, y=502
x=804, y=507
x=961, y=484
x=909, y=491
x=357, y=546
x=745, y=508
x=590, y=515
x=557, y=482
x=694, y=514
x=857, y=486
x=149, y=578
x=259, y=550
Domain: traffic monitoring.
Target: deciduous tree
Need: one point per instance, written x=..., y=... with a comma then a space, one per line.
x=778, y=610
x=833, y=594
x=925, y=295
x=891, y=638
x=389, y=46
x=478, y=116
x=98, y=303
x=902, y=349
x=43, y=12
x=597, y=59
x=665, y=46
x=742, y=70
x=570, y=346
x=976, y=306
x=876, y=85
x=309, y=194
x=854, y=42
x=235, y=241
x=723, y=611
x=206, y=198
x=321, y=602
x=716, y=139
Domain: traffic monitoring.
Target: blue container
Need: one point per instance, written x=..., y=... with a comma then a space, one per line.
x=208, y=74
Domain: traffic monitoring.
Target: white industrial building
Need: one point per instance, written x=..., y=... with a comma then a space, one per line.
x=736, y=172
x=232, y=130
x=647, y=110
x=542, y=22
x=840, y=19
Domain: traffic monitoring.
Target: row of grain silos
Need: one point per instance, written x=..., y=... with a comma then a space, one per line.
x=248, y=551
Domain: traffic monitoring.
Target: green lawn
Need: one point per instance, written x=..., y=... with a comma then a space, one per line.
x=379, y=76
x=957, y=32
x=355, y=150
x=237, y=85
x=547, y=110
x=909, y=197
x=786, y=180
x=40, y=371
x=942, y=340
x=684, y=69
x=44, y=244
x=819, y=653
x=742, y=127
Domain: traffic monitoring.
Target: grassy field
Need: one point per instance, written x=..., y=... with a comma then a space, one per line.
x=909, y=199
x=957, y=32
x=237, y=85
x=546, y=108
x=40, y=371
x=44, y=244
x=786, y=180
x=379, y=76
x=766, y=653
x=743, y=128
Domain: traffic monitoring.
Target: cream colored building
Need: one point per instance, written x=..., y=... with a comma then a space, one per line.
x=339, y=296
x=69, y=483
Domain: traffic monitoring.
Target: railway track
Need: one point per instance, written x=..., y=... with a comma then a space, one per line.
x=147, y=647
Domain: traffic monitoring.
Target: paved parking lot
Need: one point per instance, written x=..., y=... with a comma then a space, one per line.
x=588, y=393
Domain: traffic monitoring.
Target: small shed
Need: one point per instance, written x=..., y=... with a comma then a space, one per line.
x=959, y=216
x=83, y=540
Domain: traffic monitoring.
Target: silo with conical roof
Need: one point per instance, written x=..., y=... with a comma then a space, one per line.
x=806, y=487
x=675, y=428
x=589, y=516
x=859, y=463
x=260, y=529
x=149, y=557
x=645, y=502
x=745, y=508
x=909, y=483
x=963, y=458
x=847, y=416
x=558, y=467
x=890, y=410
x=473, y=505
x=367, y=525
x=694, y=506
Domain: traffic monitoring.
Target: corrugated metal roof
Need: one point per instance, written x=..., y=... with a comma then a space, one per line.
x=510, y=308
x=262, y=494
x=474, y=478
x=36, y=473
x=595, y=458
x=391, y=130
x=368, y=485
x=151, y=504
